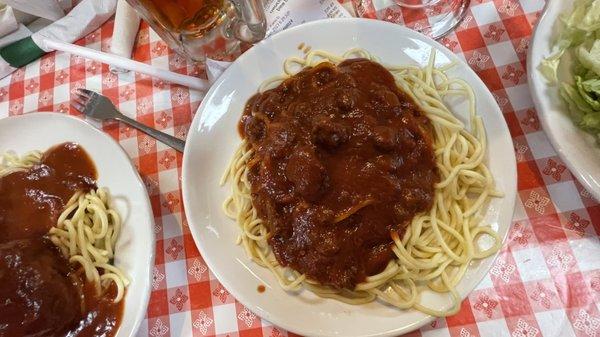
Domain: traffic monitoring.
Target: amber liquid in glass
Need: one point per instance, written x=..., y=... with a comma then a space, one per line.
x=186, y=16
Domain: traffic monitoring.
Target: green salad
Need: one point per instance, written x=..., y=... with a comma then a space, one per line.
x=579, y=37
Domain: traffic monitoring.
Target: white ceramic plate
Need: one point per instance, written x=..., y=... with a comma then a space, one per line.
x=213, y=138
x=576, y=148
x=134, y=252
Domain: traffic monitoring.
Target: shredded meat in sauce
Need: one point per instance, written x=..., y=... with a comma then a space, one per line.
x=342, y=158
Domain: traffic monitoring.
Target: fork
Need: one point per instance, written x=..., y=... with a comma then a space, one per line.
x=99, y=107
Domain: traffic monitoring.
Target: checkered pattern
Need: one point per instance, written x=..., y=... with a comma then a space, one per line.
x=546, y=281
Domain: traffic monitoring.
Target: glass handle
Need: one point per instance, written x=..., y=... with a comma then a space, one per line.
x=251, y=26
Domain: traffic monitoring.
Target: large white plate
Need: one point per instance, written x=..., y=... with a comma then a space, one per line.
x=576, y=148
x=134, y=251
x=213, y=138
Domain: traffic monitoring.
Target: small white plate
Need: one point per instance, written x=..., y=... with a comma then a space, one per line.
x=134, y=252
x=575, y=147
x=213, y=137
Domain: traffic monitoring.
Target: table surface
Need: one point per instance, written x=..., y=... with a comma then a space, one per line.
x=545, y=282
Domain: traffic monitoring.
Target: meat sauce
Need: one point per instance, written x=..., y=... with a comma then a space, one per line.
x=342, y=158
x=40, y=294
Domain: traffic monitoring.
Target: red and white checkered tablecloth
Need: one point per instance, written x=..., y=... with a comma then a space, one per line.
x=546, y=281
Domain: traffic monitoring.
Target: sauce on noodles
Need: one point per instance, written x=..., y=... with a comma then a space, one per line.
x=341, y=158
x=40, y=294
x=32, y=200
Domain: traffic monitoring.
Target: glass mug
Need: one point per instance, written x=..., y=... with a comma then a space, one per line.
x=204, y=28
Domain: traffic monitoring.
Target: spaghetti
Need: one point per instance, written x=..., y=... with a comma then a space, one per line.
x=438, y=245
x=10, y=162
x=86, y=231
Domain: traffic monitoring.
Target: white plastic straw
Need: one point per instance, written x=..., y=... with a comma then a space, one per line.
x=125, y=63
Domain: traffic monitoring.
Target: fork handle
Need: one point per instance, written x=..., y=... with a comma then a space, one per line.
x=171, y=141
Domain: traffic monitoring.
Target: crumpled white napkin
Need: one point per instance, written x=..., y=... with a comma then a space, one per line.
x=10, y=27
x=20, y=18
x=84, y=18
x=47, y=9
x=8, y=21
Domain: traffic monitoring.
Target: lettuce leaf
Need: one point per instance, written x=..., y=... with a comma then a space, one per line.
x=591, y=122
x=591, y=19
x=570, y=94
x=549, y=67
x=588, y=97
x=589, y=58
x=592, y=86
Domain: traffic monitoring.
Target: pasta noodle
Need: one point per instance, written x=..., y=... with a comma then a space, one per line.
x=438, y=246
x=11, y=162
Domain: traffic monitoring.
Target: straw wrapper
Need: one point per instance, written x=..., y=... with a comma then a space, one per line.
x=127, y=24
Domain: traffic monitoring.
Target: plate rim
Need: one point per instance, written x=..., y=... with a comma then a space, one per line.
x=536, y=95
x=141, y=314
x=511, y=194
